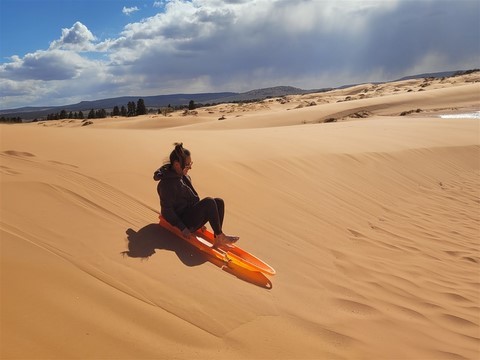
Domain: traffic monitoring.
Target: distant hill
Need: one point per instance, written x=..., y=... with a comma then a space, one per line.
x=265, y=93
x=439, y=74
x=420, y=76
x=429, y=75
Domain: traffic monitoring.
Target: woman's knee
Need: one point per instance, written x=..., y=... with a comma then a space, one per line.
x=209, y=203
x=220, y=204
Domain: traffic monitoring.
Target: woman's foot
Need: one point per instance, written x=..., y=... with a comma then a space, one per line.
x=225, y=240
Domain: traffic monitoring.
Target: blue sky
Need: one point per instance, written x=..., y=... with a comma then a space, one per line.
x=30, y=25
x=57, y=52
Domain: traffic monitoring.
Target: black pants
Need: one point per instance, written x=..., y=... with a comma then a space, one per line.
x=206, y=210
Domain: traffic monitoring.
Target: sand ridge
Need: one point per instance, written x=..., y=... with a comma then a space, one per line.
x=372, y=223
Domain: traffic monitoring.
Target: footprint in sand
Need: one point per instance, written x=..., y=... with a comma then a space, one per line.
x=355, y=233
x=471, y=259
x=18, y=153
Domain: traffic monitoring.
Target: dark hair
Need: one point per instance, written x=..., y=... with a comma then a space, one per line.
x=179, y=154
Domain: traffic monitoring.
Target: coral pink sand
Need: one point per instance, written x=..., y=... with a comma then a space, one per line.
x=372, y=223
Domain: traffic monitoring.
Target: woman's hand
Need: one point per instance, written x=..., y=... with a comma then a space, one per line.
x=186, y=233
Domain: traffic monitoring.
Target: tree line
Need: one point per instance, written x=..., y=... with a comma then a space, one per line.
x=10, y=120
x=132, y=109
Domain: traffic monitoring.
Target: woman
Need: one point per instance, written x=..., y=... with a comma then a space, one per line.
x=180, y=203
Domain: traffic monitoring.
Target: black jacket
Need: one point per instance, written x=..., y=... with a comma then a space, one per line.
x=176, y=194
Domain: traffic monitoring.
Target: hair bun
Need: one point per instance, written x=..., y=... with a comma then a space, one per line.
x=179, y=154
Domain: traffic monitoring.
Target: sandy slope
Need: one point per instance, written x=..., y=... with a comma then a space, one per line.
x=372, y=224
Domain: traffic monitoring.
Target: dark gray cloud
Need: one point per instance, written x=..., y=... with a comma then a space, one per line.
x=399, y=40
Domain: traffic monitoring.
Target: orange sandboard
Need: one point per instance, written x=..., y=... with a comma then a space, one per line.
x=204, y=239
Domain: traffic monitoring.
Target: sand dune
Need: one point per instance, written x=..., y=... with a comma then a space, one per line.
x=372, y=223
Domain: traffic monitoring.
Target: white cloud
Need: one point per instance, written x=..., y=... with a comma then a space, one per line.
x=129, y=10
x=15, y=88
x=52, y=77
x=77, y=38
x=45, y=65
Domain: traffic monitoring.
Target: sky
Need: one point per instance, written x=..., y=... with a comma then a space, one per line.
x=59, y=52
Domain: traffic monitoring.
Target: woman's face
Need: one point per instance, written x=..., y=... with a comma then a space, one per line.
x=188, y=165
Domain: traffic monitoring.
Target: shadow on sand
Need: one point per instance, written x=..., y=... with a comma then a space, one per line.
x=144, y=243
